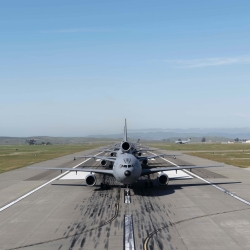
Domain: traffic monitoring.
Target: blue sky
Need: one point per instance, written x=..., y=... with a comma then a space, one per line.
x=80, y=67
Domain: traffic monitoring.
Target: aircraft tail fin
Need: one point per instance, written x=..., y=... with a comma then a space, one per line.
x=125, y=138
x=138, y=140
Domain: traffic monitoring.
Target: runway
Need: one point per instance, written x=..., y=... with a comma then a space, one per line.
x=189, y=213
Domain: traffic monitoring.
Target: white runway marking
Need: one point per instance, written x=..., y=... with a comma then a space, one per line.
x=36, y=189
x=219, y=188
x=73, y=176
x=98, y=159
x=179, y=175
x=129, y=242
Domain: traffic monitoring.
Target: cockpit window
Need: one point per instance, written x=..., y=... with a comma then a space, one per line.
x=126, y=166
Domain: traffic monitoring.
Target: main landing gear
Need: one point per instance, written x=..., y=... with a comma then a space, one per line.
x=149, y=183
x=104, y=184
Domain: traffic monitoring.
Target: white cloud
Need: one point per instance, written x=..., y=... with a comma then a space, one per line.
x=208, y=62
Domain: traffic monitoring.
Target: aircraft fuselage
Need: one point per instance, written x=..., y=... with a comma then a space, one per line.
x=127, y=168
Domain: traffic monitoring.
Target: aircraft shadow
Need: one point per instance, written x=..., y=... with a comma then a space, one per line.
x=157, y=190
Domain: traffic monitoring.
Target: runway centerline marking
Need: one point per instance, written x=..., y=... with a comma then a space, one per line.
x=43, y=185
x=129, y=241
x=212, y=184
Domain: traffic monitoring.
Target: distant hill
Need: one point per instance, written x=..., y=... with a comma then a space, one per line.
x=174, y=134
x=170, y=135
x=196, y=130
x=52, y=140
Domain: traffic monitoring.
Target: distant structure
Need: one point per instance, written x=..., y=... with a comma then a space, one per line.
x=242, y=140
x=31, y=142
x=179, y=141
x=203, y=139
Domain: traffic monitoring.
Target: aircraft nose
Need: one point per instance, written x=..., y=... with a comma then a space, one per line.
x=127, y=173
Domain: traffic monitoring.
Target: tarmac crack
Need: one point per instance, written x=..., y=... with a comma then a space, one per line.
x=171, y=224
x=149, y=206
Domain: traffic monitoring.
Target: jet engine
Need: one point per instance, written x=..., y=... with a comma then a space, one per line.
x=125, y=146
x=162, y=179
x=139, y=154
x=90, y=180
x=104, y=163
x=145, y=162
x=112, y=154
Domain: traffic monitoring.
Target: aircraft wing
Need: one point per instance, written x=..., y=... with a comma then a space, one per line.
x=144, y=149
x=98, y=157
x=156, y=170
x=109, y=150
x=93, y=170
x=141, y=158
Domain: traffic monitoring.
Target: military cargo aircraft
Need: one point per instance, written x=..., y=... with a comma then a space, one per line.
x=127, y=168
x=121, y=148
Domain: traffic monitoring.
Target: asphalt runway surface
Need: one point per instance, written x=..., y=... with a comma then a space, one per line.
x=205, y=209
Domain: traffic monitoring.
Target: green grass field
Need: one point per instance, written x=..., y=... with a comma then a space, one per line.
x=201, y=147
x=17, y=156
x=238, y=159
x=237, y=154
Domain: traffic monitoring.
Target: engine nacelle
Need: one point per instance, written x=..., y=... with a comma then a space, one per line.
x=126, y=146
x=139, y=154
x=163, y=179
x=145, y=162
x=90, y=180
x=112, y=154
x=104, y=163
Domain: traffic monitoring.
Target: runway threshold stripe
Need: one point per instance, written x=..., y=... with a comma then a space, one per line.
x=212, y=184
x=129, y=241
x=36, y=189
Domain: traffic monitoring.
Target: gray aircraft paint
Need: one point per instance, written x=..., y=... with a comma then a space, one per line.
x=121, y=166
x=127, y=168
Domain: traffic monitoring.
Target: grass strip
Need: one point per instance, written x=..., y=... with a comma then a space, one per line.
x=17, y=156
x=237, y=154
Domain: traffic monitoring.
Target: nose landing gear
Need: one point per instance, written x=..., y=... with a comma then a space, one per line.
x=127, y=197
x=127, y=191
